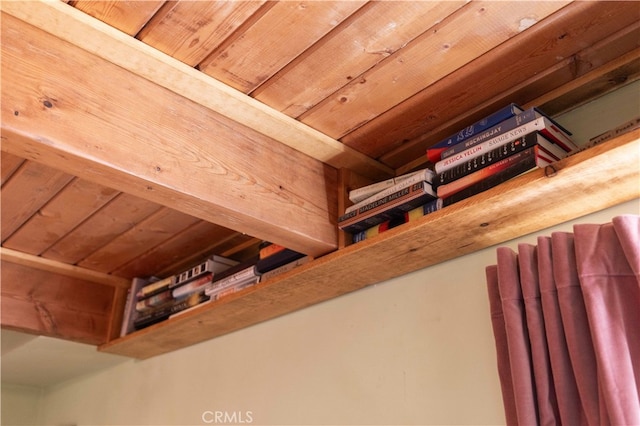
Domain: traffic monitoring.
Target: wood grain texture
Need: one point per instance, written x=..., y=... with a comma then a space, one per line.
x=512, y=72
x=201, y=163
x=59, y=268
x=44, y=303
x=254, y=55
x=127, y=16
x=139, y=239
x=190, y=30
x=370, y=35
x=486, y=219
x=119, y=216
x=69, y=24
x=56, y=219
x=30, y=188
x=425, y=60
x=8, y=165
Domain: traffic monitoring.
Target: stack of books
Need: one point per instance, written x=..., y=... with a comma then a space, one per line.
x=153, y=300
x=485, y=158
x=386, y=203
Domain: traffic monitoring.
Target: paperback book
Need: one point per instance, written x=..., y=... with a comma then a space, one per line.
x=387, y=207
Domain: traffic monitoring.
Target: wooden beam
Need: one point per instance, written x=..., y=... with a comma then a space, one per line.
x=526, y=204
x=81, y=114
x=55, y=267
x=45, y=303
x=67, y=23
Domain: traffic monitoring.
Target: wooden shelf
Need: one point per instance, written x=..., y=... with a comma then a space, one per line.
x=592, y=180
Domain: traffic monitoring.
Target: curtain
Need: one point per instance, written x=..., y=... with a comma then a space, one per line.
x=566, y=320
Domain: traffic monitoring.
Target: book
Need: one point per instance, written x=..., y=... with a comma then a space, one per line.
x=245, y=274
x=276, y=260
x=153, y=301
x=556, y=132
x=435, y=151
x=192, y=286
x=377, y=229
x=547, y=150
x=165, y=311
x=285, y=268
x=496, y=174
x=427, y=175
x=214, y=264
x=155, y=287
x=359, y=194
x=130, y=313
x=387, y=207
x=230, y=288
x=270, y=248
x=409, y=216
x=542, y=125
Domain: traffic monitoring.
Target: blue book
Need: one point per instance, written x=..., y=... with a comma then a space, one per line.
x=505, y=126
x=434, y=152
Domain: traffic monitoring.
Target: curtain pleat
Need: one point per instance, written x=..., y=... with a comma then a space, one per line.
x=566, y=320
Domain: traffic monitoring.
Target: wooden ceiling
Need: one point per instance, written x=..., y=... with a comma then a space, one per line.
x=307, y=87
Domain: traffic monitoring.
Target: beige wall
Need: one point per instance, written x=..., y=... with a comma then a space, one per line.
x=413, y=350
x=20, y=405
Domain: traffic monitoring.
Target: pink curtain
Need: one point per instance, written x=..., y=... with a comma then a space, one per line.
x=566, y=320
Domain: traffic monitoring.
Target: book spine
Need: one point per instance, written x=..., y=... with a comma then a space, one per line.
x=359, y=194
x=528, y=162
x=285, y=268
x=130, y=313
x=155, y=287
x=238, y=276
x=422, y=175
x=270, y=249
x=232, y=288
x=616, y=131
x=191, y=286
x=153, y=301
x=501, y=128
x=423, y=210
x=486, y=159
x=196, y=271
x=388, y=207
x=475, y=151
x=165, y=312
x=435, y=151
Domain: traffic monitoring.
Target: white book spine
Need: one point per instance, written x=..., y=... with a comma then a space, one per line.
x=477, y=150
x=415, y=177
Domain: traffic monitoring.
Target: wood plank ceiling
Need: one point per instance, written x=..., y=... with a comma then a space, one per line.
x=379, y=81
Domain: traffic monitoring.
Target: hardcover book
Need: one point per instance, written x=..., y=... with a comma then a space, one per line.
x=547, y=150
x=555, y=132
x=434, y=152
x=542, y=125
x=277, y=259
x=496, y=174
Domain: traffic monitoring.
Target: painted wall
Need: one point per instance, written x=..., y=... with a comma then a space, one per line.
x=417, y=349
x=20, y=405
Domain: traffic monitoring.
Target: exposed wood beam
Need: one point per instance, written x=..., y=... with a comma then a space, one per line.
x=492, y=217
x=45, y=303
x=48, y=265
x=113, y=127
x=92, y=35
